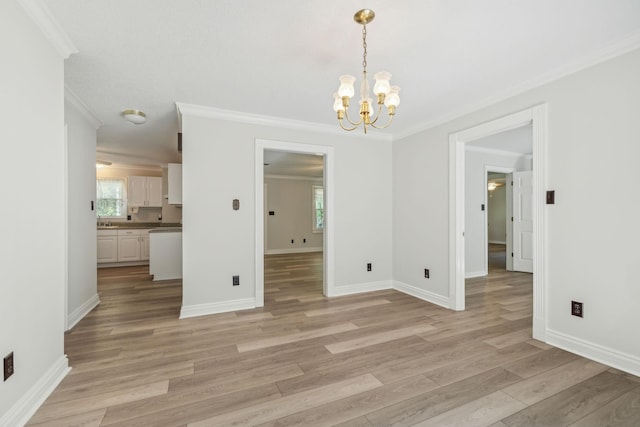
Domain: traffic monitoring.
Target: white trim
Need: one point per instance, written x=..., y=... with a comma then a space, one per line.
x=329, y=185
x=494, y=151
x=361, y=288
x=53, y=32
x=295, y=177
x=79, y=313
x=540, y=279
x=421, y=294
x=82, y=108
x=538, y=116
x=20, y=413
x=472, y=274
x=618, y=48
x=279, y=122
x=291, y=251
x=610, y=357
x=216, y=307
x=65, y=226
x=497, y=242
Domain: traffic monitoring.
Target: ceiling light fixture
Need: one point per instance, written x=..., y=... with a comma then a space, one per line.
x=102, y=163
x=386, y=94
x=136, y=117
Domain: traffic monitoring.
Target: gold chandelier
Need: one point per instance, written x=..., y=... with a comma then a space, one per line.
x=386, y=94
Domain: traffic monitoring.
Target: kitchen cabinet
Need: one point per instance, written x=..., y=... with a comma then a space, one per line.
x=144, y=191
x=174, y=180
x=133, y=245
x=107, y=246
x=144, y=245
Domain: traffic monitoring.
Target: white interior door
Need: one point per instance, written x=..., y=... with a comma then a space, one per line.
x=523, y=221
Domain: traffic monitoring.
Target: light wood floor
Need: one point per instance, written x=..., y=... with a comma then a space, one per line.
x=376, y=359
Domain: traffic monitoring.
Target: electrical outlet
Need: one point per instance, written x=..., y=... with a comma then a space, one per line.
x=576, y=309
x=8, y=366
x=236, y=280
x=369, y=266
x=426, y=273
x=304, y=240
x=292, y=241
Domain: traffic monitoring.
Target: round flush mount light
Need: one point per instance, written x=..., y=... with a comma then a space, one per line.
x=136, y=117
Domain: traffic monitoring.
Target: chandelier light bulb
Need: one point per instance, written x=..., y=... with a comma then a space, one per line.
x=382, y=85
x=346, y=86
x=392, y=99
x=337, y=102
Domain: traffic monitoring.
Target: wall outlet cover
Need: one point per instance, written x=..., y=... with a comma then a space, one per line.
x=576, y=309
x=8, y=366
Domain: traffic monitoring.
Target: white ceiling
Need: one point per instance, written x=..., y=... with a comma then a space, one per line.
x=282, y=58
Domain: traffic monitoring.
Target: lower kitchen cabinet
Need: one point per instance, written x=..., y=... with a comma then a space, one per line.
x=133, y=245
x=123, y=245
x=107, y=246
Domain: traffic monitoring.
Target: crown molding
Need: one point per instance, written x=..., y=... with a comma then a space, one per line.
x=279, y=122
x=469, y=147
x=81, y=107
x=618, y=48
x=44, y=19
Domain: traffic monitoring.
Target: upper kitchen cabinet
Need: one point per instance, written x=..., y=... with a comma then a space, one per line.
x=175, y=183
x=145, y=191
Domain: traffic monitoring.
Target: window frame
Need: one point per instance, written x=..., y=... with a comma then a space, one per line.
x=314, y=210
x=123, y=200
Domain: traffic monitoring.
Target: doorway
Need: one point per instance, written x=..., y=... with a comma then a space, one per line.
x=537, y=117
x=498, y=221
x=328, y=191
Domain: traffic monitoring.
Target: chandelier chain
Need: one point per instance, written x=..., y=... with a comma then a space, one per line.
x=364, y=46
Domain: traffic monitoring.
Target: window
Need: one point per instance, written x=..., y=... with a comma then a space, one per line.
x=112, y=198
x=318, y=208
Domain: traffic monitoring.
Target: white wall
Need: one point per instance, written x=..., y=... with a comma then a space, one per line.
x=291, y=202
x=81, y=159
x=33, y=252
x=593, y=126
x=218, y=242
x=497, y=215
x=475, y=196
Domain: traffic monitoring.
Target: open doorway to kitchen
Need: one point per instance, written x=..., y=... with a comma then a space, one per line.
x=294, y=256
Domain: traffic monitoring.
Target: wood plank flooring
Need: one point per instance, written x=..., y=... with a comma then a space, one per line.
x=376, y=359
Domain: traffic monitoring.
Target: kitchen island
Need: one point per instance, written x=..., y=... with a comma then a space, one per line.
x=165, y=253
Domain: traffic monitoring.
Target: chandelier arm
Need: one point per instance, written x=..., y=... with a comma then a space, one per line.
x=347, y=129
x=378, y=114
x=346, y=115
x=385, y=126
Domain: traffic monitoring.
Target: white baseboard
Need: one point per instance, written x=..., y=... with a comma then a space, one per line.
x=24, y=408
x=360, y=288
x=497, y=242
x=79, y=313
x=291, y=251
x=421, y=294
x=619, y=360
x=216, y=307
x=472, y=274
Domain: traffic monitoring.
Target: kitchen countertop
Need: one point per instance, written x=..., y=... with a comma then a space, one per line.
x=166, y=230
x=140, y=225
